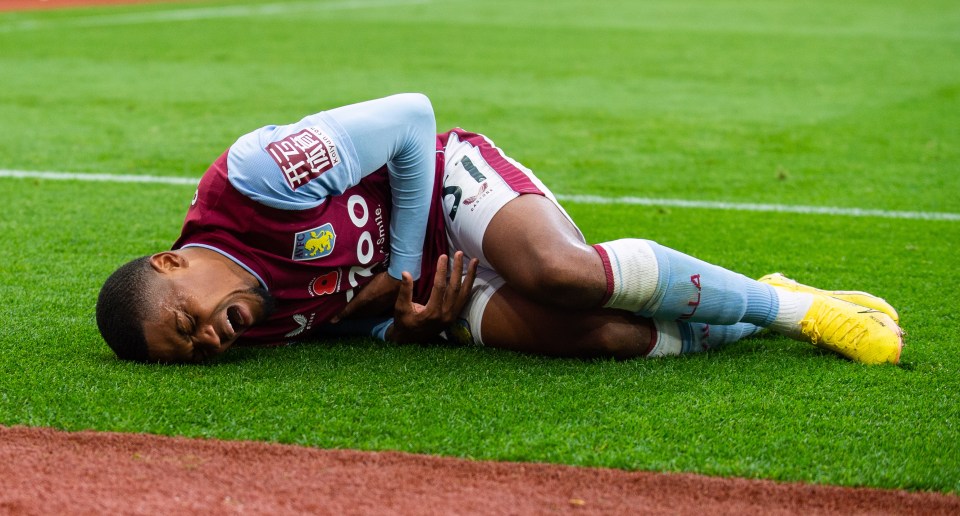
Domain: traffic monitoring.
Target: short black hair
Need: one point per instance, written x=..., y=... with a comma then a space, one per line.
x=122, y=307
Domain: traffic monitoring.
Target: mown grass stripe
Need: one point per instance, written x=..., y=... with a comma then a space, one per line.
x=582, y=199
x=205, y=13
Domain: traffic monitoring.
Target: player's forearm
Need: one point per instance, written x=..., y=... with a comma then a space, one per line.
x=398, y=131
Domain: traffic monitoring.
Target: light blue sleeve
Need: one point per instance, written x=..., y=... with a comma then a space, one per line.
x=399, y=131
x=347, y=144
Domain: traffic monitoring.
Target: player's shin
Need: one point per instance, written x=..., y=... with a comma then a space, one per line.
x=658, y=282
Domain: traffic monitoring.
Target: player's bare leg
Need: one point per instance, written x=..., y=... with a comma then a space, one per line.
x=515, y=322
x=540, y=253
x=533, y=245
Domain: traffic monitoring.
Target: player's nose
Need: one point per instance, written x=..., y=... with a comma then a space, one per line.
x=208, y=336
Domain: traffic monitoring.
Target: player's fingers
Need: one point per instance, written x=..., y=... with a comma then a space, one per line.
x=405, y=296
x=459, y=288
x=358, y=300
x=456, y=272
x=347, y=310
x=439, y=285
x=454, y=283
x=466, y=288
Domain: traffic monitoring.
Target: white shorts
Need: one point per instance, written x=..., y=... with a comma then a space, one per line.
x=479, y=180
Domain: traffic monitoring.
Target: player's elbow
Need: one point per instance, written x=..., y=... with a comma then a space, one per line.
x=417, y=100
x=419, y=111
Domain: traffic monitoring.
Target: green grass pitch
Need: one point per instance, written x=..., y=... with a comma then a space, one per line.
x=833, y=104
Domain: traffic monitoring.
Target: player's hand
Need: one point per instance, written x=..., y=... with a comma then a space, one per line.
x=414, y=322
x=373, y=299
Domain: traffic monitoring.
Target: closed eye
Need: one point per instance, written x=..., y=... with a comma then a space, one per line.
x=185, y=324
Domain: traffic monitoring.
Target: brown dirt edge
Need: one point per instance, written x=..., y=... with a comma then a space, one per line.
x=46, y=471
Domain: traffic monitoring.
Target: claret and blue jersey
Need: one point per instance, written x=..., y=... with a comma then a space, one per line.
x=314, y=209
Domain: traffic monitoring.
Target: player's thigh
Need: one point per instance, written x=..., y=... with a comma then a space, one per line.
x=499, y=316
x=481, y=184
x=532, y=244
x=499, y=212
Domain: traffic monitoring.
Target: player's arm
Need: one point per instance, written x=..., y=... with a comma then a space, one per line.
x=297, y=166
x=399, y=132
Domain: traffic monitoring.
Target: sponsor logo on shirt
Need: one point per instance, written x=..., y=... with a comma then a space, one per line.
x=303, y=324
x=314, y=243
x=483, y=192
x=470, y=200
x=304, y=156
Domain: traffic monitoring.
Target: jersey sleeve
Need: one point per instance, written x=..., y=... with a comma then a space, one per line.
x=297, y=166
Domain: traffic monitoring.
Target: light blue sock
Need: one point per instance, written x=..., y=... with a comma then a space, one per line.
x=660, y=283
x=681, y=338
x=717, y=336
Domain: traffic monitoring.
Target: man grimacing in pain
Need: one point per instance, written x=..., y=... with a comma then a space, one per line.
x=362, y=220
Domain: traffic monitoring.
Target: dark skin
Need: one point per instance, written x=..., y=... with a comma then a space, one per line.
x=205, y=301
x=413, y=322
x=555, y=282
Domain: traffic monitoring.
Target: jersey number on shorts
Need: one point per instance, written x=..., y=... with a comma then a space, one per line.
x=456, y=191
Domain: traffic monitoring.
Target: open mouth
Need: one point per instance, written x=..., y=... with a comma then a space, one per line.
x=235, y=319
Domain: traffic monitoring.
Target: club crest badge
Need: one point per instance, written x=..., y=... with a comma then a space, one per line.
x=314, y=243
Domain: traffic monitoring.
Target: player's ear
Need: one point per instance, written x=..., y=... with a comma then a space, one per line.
x=167, y=261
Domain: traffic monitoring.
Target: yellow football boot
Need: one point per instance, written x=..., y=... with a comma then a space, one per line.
x=853, y=296
x=854, y=331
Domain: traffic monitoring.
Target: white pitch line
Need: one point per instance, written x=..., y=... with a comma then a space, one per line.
x=779, y=208
x=204, y=13
x=109, y=178
x=583, y=199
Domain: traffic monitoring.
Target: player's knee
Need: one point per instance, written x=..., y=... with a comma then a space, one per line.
x=552, y=276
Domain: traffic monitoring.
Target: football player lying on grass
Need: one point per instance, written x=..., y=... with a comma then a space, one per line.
x=363, y=220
